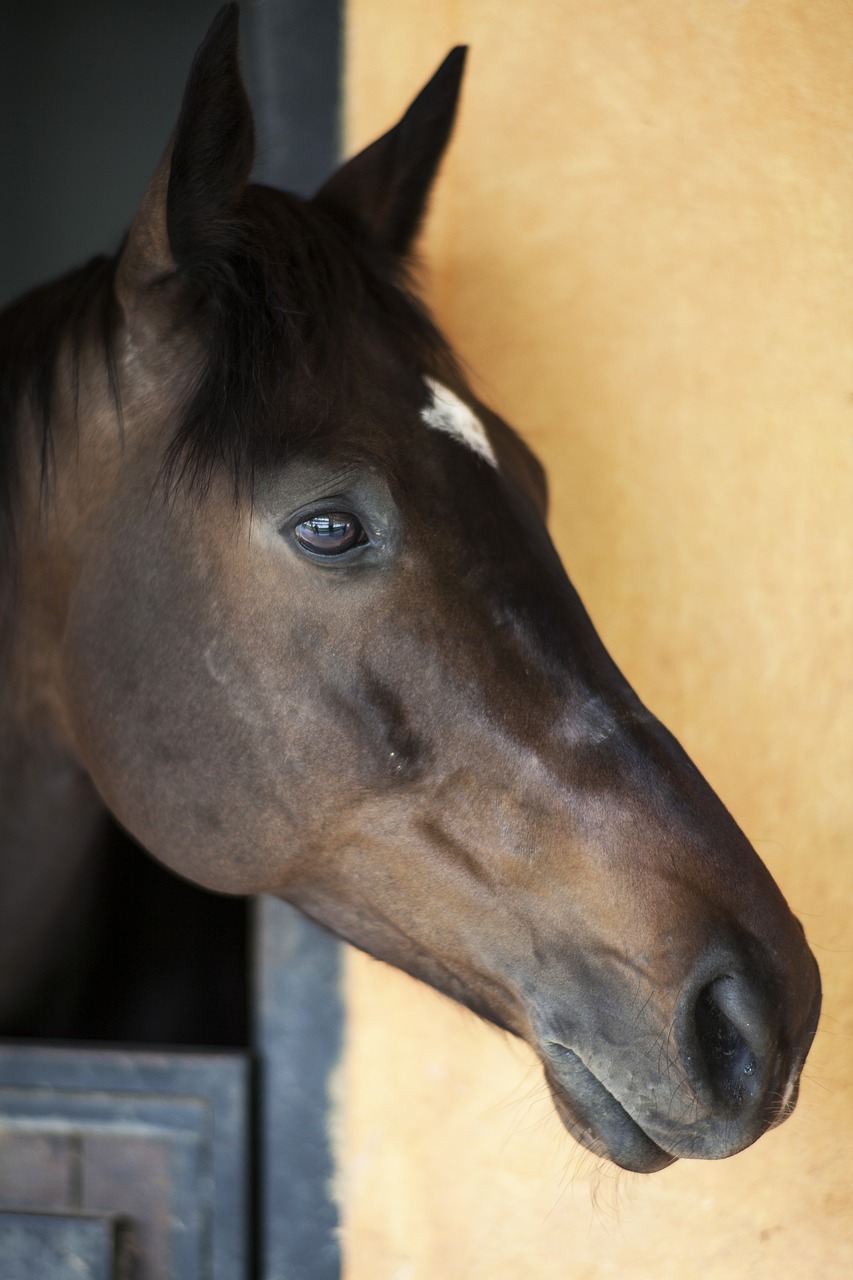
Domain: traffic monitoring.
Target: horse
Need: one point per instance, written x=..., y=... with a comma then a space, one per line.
x=278, y=594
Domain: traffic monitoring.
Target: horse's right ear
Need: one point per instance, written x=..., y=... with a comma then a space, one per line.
x=387, y=185
x=187, y=215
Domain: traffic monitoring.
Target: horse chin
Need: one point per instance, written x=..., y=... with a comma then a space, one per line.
x=598, y=1121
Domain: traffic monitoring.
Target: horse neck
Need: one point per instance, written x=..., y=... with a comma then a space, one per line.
x=63, y=472
x=49, y=811
x=36, y=579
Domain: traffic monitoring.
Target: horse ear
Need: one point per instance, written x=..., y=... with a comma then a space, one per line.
x=386, y=186
x=187, y=213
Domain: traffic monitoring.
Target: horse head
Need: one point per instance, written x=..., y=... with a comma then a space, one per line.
x=312, y=639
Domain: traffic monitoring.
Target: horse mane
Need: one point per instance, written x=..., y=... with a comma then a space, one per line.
x=32, y=330
x=278, y=311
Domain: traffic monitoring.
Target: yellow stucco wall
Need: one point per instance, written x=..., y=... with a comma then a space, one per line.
x=643, y=244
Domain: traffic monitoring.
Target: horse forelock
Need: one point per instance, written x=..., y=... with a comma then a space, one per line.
x=289, y=315
x=281, y=314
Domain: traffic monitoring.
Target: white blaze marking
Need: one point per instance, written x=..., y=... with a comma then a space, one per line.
x=448, y=413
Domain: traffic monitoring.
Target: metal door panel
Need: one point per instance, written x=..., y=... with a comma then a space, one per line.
x=55, y=1246
x=161, y=1139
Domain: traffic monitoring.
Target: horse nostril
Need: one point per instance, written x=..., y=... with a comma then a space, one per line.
x=725, y=1026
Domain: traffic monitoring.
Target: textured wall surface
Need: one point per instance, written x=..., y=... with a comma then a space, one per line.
x=643, y=244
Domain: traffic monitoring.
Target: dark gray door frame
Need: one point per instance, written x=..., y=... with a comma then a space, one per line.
x=293, y=56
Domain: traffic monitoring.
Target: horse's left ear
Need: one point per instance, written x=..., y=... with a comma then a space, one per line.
x=188, y=214
x=386, y=186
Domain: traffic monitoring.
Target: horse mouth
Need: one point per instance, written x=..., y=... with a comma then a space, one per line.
x=596, y=1119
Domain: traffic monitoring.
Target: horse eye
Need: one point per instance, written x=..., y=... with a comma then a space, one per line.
x=330, y=534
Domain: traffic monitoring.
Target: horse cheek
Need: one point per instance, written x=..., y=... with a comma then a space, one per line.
x=159, y=721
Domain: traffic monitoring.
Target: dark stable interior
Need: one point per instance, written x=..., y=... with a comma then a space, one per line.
x=150, y=960
x=89, y=95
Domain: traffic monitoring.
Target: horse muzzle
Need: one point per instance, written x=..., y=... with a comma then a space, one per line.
x=724, y=1071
